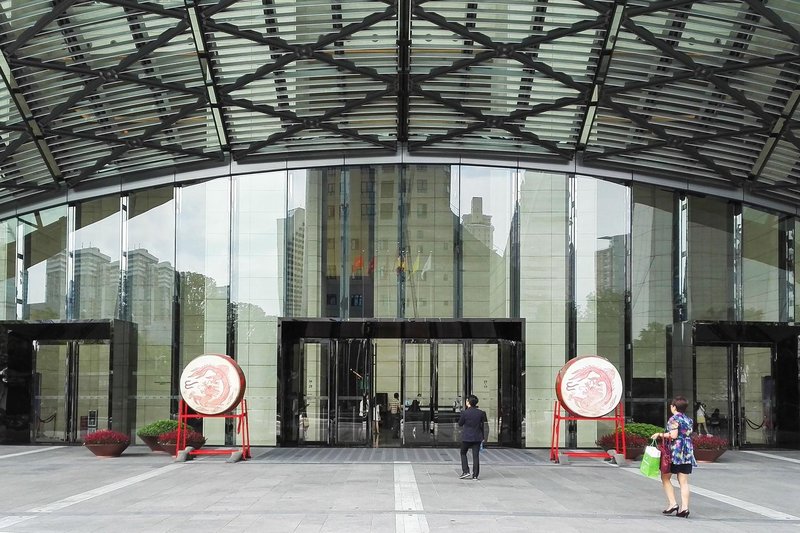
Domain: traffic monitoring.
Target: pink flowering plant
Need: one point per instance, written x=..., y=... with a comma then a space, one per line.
x=709, y=442
x=106, y=436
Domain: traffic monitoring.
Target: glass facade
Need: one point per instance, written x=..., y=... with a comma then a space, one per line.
x=592, y=266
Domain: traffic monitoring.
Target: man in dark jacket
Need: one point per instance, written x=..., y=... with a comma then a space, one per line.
x=475, y=430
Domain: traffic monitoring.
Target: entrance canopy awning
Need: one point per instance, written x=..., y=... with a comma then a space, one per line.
x=96, y=91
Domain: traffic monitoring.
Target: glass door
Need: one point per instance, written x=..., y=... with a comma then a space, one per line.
x=52, y=409
x=304, y=393
x=712, y=389
x=417, y=393
x=72, y=383
x=91, y=387
x=756, y=398
x=388, y=393
x=486, y=384
x=449, y=387
x=352, y=392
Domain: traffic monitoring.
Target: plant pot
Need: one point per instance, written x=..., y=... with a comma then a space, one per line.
x=633, y=452
x=107, y=450
x=169, y=447
x=152, y=442
x=707, y=456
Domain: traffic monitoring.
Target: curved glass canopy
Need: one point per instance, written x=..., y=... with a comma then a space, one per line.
x=706, y=92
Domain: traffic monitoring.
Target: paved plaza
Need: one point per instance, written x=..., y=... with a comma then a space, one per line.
x=67, y=489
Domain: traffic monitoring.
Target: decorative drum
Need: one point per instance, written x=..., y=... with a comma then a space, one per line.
x=589, y=386
x=212, y=384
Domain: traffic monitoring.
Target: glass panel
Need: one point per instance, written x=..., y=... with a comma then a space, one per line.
x=352, y=388
x=97, y=258
x=202, y=257
x=651, y=299
x=150, y=282
x=511, y=397
x=389, y=265
x=50, y=393
x=449, y=392
x=360, y=234
x=387, y=385
x=710, y=256
x=429, y=228
x=760, y=270
x=711, y=382
x=313, y=405
x=305, y=243
x=796, y=258
x=601, y=234
x=92, y=388
x=417, y=394
x=325, y=194
x=8, y=269
x=543, y=295
x=45, y=264
x=757, y=396
x=257, y=284
x=487, y=201
x=486, y=385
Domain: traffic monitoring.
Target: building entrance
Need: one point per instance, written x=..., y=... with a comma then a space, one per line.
x=63, y=380
x=746, y=375
x=394, y=383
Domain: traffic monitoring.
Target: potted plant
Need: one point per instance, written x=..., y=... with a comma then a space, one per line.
x=708, y=448
x=169, y=440
x=106, y=443
x=149, y=433
x=637, y=436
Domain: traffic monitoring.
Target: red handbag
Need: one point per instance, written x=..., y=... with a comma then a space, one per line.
x=665, y=445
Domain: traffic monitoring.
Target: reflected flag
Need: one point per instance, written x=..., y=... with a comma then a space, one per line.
x=428, y=265
x=358, y=263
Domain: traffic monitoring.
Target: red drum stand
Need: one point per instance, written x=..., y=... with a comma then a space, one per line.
x=560, y=413
x=242, y=428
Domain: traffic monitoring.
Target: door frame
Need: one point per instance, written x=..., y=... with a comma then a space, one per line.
x=782, y=339
x=122, y=338
x=292, y=331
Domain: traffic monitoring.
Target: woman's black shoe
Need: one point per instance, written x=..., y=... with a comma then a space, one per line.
x=670, y=510
x=683, y=514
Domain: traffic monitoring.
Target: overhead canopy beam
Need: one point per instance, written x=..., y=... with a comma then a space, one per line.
x=614, y=16
x=32, y=125
x=213, y=96
x=777, y=131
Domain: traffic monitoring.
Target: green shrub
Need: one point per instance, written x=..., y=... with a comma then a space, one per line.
x=641, y=429
x=159, y=427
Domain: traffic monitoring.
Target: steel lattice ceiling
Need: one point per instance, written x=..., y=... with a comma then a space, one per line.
x=702, y=90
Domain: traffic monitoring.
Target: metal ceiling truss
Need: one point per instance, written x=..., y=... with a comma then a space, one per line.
x=235, y=78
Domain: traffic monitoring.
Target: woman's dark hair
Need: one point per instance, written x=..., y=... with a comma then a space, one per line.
x=680, y=403
x=473, y=400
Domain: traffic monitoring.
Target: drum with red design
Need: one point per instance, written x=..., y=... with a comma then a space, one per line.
x=212, y=384
x=589, y=386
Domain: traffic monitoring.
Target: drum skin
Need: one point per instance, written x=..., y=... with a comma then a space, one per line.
x=212, y=384
x=589, y=386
